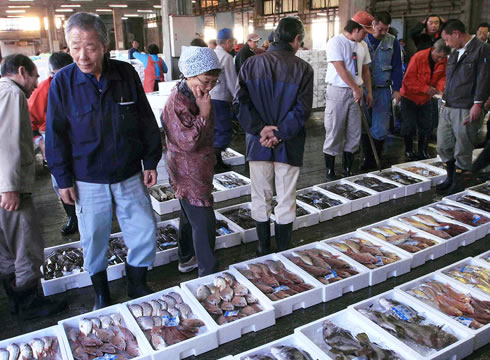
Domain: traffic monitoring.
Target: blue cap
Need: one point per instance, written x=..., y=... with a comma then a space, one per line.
x=225, y=34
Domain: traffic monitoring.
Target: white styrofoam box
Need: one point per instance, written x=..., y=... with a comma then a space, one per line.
x=432, y=161
x=349, y=320
x=482, y=335
x=453, y=199
x=233, y=192
x=293, y=340
x=229, y=357
x=473, y=188
x=231, y=331
x=453, y=243
x=310, y=219
x=460, y=349
x=73, y=322
x=164, y=207
x=228, y=240
x=219, y=195
x=163, y=257
x=237, y=159
x=52, y=331
x=384, y=196
x=481, y=230
x=287, y=305
x=411, y=189
x=157, y=113
x=165, y=87
x=459, y=265
x=435, y=180
x=205, y=340
x=421, y=256
x=357, y=204
x=248, y=235
x=338, y=288
x=331, y=212
x=157, y=99
x=484, y=258
x=384, y=272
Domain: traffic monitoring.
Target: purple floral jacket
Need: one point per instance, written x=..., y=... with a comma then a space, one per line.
x=190, y=153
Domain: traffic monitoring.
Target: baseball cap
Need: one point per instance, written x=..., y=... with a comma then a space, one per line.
x=253, y=37
x=225, y=34
x=365, y=19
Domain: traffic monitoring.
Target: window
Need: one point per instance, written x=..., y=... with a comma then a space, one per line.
x=323, y=4
x=208, y=3
x=279, y=6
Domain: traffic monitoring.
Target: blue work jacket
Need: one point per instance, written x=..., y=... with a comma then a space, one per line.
x=99, y=134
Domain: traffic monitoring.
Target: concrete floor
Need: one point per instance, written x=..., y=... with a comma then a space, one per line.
x=313, y=172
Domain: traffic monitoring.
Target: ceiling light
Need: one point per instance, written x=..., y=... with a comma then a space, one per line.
x=145, y=11
x=15, y=11
x=118, y=5
x=80, y=0
x=124, y=18
x=131, y=15
x=71, y=6
x=19, y=6
x=157, y=6
x=15, y=16
x=322, y=14
x=60, y=16
x=21, y=0
x=103, y=10
x=64, y=10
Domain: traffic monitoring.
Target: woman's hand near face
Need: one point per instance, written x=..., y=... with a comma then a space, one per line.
x=203, y=101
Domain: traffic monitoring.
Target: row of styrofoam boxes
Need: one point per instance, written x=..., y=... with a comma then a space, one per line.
x=223, y=193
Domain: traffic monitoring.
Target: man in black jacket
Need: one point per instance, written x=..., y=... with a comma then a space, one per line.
x=424, y=34
x=248, y=50
x=467, y=89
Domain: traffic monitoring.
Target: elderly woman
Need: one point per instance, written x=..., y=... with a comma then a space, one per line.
x=189, y=128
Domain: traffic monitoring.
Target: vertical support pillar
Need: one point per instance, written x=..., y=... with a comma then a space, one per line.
x=168, y=8
x=118, y=29
x=51, y=28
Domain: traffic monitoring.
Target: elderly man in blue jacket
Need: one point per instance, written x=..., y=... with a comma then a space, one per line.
x=273, y=103
x=99, y=130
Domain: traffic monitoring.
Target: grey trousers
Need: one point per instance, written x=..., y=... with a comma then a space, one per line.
x=456, y=140
x=197, y=236
x=342, y=121
x=21, y=243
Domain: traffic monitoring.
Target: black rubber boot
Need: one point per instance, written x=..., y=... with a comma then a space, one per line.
x=423, y=143
x=6, y=281
x=137, y=281
x=330, y=165
x=264, y=235
x=220, y=165
x=71, y=227
x=409, y=154
x=458, y=184
x=347, y=161
x=101, y=287
x=283, y=235
x=368, y=161
x=30, y=305
x=451, y=171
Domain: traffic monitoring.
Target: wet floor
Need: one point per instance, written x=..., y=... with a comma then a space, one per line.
x=312, y=172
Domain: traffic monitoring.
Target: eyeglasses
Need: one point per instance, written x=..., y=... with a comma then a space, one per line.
x=208, y=83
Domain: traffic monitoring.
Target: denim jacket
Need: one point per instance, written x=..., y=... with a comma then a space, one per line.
x=381, y=56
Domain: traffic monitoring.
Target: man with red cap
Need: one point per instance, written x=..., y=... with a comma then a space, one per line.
x=247, y=50
x=348, y=70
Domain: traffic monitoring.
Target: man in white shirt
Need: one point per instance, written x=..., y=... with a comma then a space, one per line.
x=222, y=97
x=348, y=69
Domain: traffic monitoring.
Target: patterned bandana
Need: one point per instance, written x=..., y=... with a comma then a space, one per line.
x=195, y=60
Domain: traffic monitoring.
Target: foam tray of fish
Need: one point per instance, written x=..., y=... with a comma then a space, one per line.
x=305, y=215
x=167, y=233
x=172, y=326
x=424, y=330
x=413, y=183
x=227, y=233
x=472, y=273
x=464, y=308
x=240, y=215
x=387, y=190
x=454, y=233
x=343, y=336
x=104, y=332
x=232, y=183
x=286, y=286
x=227, y=301
x=482, y=188
x=474, y=218
x=232, y=157
x=338, y=273
x=484, y=258
x=472, y=199
x=163, y=199
x=435, y=174
x=359, y=196
x=420, y=246
x=434, y=162
x=380, y=259
x=329, y=205
x=292, y=347
x=44, y=344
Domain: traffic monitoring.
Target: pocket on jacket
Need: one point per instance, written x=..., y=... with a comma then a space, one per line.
x=84, y=124
x=128, y=114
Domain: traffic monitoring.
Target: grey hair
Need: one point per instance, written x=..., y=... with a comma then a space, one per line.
x=440, y=46
x=87, y=22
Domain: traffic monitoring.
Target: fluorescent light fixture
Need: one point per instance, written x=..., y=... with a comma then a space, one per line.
x=157, y=6
x=15, y=11
x=19, y=6
x=103, y=10
x=21, y=0
x=322, y=14
x=124, y=18
x=60, y=16
x=71, y=6
x=118, y=5
x=15, y=16
x=146, y=11
x=131, y=15
x=63, y=10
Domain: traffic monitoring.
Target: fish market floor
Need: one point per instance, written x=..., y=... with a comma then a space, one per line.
x=312, y=172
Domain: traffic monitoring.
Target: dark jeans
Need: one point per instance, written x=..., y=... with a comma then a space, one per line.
x=416, y=118
x=197, y=236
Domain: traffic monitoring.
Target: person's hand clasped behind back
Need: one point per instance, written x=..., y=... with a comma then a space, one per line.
x=267, y=137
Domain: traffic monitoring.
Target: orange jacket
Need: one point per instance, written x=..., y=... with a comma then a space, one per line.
x=418, y=78
x=38, y=105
